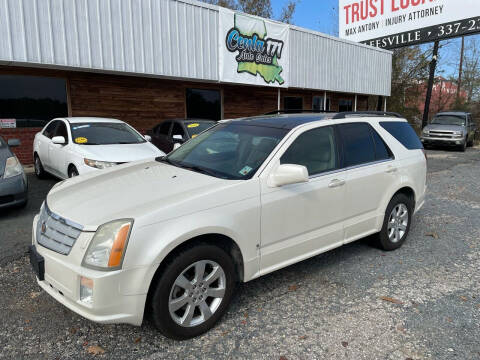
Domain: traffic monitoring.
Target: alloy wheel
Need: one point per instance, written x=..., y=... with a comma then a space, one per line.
x=197, y=293
x=397, y=223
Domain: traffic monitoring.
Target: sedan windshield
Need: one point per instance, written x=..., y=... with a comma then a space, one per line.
x=195, y=128
x=449, y=120
x=228, y=151
x=104, y=134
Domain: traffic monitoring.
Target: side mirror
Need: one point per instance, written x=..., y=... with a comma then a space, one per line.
x=13, y=142
x=148, y=138
x=287, y=174
x=176, y=146
x=59, y=140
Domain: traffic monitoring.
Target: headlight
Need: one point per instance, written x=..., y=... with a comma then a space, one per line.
x=99, y=164
x=426, y=131
x=12, y=167
x=107, y=248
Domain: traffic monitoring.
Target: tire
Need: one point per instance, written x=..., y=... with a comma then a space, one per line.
x=388, y=240
x=168, y=314
x=72, y=171
x=39, y=171
x=463, y=147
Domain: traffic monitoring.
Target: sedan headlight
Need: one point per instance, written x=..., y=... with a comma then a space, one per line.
x=12, y=167
x=107, y=248
x=99, y=164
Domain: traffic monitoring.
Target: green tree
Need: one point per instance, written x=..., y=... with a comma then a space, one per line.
x=261, y=8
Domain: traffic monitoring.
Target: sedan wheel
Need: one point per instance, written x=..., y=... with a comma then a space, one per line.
x=39, y=172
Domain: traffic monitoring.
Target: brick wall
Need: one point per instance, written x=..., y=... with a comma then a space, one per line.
x=25, y=135
x=144, y=102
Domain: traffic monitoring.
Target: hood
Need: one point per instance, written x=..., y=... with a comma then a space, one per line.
x=441, y=127
x=133, y=190
x=120, y=152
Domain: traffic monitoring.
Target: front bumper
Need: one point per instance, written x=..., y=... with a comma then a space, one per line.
x=118, y=296
x=13, y=191
x=442, y=141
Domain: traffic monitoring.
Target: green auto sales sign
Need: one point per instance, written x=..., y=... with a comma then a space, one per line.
x=252, y=50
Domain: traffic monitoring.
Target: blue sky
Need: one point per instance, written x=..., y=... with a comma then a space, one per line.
x=322, y=15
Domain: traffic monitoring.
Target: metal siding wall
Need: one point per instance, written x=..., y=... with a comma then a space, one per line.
x=320, y=62
x=172, y=38
x=157, y=37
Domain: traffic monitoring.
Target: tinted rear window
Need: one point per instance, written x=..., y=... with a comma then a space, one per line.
x=358, y=147
x=404, y=133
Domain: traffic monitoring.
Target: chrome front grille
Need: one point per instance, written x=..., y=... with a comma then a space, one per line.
x=56, y=233
x=442, y=134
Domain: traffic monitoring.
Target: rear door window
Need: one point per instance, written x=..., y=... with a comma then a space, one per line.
x=382, y=152
x=404, y=133
x=358, y=146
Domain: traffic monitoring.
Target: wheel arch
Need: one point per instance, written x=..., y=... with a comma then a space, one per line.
x=217, y=239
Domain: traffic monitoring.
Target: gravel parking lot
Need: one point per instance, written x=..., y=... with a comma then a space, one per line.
x=356, y=302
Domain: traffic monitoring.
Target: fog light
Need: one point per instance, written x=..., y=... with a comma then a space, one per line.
x=458, y=142
x=86, y=290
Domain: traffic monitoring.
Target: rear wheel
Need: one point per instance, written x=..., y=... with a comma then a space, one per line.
x=39, y=171
x=193, y=291
x=396, y=223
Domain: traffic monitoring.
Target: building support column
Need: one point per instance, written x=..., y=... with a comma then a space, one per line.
x=325, y=101
x=385, y=103
x=278, y=99
x=355, y=104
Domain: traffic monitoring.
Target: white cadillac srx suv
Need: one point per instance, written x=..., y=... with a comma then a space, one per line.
x=242, y=199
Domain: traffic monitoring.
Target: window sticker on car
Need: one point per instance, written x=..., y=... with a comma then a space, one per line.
x=193, y=125
x=81, y=140
x=245, y=170
x=194, y=136
x=81, y=126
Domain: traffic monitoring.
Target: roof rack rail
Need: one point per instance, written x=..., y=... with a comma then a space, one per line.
x=296, y=111
x=345, y=114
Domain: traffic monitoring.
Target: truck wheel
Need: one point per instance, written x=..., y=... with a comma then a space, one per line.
x=193, y=291
x=396, y=223
x=463, y=147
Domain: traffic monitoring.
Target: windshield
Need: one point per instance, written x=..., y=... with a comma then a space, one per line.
x=449, y=120
x=228, y=151
x=195, y=128
x=104, y=134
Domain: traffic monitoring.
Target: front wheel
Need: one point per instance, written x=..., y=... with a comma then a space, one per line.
x=396, y=223
x=193, y=291
x=72, y=171
x=39, y=171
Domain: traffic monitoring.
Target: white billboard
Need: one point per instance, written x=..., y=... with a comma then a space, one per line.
x=252, y=50
x=395, y=23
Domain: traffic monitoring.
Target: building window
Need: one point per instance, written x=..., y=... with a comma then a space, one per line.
x=317, y=104
x=293, y=103
x=204, y=104
x=345, y=105
x=32, y=101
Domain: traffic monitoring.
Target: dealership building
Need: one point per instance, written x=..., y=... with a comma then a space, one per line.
x=145, y=61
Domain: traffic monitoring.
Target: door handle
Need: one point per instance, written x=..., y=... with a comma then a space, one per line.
x=391, y=169
x=336, y=183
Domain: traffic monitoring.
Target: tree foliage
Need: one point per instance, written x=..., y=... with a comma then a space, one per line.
x=261, y=8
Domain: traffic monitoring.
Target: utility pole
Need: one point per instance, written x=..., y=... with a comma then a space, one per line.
x=433, y=66
x=460, y=71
